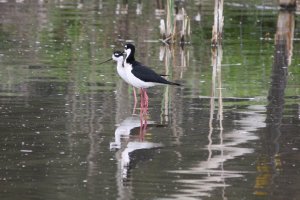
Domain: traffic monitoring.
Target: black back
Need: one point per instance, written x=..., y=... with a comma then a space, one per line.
x=141, y=71
x=148, y=75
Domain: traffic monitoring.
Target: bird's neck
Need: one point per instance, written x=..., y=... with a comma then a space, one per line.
x=130, y=59
x=120, y=63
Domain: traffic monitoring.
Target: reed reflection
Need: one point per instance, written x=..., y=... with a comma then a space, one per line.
x=210, y=174
x=122, y=8
x=176, y=61
x=269, y=162
x=139, y=7
x=216, y=60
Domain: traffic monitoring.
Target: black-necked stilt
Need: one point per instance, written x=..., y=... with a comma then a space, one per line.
x=140, y=76
x=118, y=56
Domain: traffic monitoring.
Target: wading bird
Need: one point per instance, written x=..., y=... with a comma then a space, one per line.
x=140, y=76
x=118, y=56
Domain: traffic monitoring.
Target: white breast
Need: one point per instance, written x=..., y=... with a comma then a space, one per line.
x=121, y=71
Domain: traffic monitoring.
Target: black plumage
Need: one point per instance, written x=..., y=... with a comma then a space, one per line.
x=148, y=75
x=142, y=72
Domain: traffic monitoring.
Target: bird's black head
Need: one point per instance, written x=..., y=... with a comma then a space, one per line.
x=129, y=50
x=129, y=46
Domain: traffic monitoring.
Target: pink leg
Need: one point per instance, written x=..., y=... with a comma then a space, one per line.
x=143, y=126
x=135, y=100
x=142, y=99
x=145, y=100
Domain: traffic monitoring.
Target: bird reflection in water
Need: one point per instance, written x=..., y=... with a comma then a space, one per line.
x=131, y=147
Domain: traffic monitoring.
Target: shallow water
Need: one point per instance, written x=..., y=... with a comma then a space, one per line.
x=67, y=129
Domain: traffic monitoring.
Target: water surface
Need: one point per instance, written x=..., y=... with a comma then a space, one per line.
x=67, y=129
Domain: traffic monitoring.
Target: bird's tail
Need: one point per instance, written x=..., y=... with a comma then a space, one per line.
x=173, y=83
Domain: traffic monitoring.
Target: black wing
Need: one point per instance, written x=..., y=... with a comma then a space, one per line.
x=148, y=75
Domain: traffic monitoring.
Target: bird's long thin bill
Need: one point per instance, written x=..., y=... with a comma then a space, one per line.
x=105, y=61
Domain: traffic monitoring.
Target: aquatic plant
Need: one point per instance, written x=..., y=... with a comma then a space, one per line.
x=177, y=25
x=217, y=29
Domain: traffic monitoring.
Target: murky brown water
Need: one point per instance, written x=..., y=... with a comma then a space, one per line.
x=67, y=129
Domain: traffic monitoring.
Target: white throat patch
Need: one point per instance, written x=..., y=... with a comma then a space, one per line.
x=128, y=52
